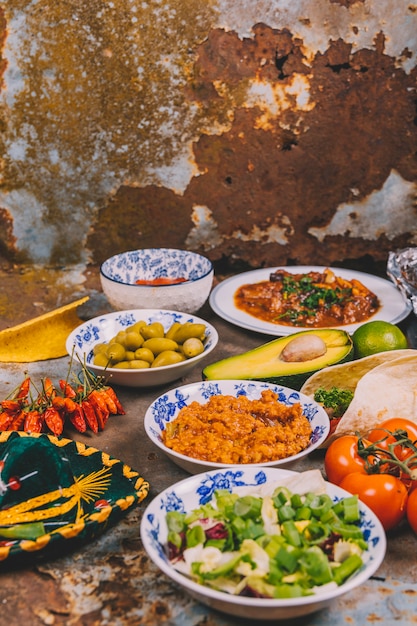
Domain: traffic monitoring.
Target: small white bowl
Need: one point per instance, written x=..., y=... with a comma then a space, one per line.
x=194, y=491
x=119, y=273
x=101, y=329
x=166, y=408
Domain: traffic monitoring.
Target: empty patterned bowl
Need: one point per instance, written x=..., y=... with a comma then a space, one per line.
x=165, y=409
x=163, y=278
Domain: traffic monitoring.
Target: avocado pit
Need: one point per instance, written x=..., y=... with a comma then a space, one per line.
x=303, y=348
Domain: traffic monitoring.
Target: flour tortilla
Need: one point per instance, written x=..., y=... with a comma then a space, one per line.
x=347, y=375
x=388, y=390
x=384, y=385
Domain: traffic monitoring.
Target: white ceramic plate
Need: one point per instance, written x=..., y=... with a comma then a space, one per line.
x=190, y=493
x=393, y=306
x=166, y=408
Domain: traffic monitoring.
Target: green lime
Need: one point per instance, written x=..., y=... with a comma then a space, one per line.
x=377, y=336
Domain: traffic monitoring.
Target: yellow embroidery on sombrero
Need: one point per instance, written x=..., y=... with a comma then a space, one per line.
x=4, y=552
x=125, y=503
x=87, y=488
x=70, y=530
x=38, y=544
x=101, y=515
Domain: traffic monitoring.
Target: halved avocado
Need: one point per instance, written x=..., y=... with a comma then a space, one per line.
x=286, y=361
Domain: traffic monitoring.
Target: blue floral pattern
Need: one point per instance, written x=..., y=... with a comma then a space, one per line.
x=102, y=329
x=152, y=263
x=166, y=408
x=199, y=489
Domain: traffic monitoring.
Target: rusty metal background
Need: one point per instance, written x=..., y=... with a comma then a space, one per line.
x=262, y=133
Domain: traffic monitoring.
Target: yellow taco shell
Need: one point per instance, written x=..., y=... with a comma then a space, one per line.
x=40, y=338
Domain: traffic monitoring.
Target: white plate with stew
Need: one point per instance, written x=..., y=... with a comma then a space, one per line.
x=393, y=307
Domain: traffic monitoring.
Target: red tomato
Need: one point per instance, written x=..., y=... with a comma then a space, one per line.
x=401, y=452
x=386, y=495
x=412, y=510
x=342, y=459
x=391, y=425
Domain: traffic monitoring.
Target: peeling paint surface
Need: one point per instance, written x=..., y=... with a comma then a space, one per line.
x=269, y=133
x=377, y=214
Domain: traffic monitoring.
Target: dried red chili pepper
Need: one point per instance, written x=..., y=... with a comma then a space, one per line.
x=90, y=415
x=24, y=388
x=49, y=389
x=6, y=419
x=108, y=400
x=33, y=422
x=112, y=394
x=10, y=406
x=70, y=405
x=54, y=420
x=69, y=392
x=100, y=408
x=18, y=421
x=59, y=403
x=77, y=419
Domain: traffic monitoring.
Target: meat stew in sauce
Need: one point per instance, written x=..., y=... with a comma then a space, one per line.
x=314, y=299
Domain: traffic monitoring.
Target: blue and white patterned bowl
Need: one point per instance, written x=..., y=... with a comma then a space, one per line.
x=101, y=329
x=190, y=493
x=166, y=408
x=119, y=273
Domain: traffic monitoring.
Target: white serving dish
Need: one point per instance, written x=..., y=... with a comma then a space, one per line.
x=190, y=493
x=101, y=329
x=166, y=407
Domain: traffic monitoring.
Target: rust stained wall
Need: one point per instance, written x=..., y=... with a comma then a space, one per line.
x=285, y=133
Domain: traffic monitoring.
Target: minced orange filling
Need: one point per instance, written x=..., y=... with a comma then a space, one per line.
x=230, y=429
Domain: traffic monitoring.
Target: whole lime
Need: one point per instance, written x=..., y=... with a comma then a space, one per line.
x=377, y=336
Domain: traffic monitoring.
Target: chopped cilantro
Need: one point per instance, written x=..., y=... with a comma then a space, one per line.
x=335, y=398
x=310, y=297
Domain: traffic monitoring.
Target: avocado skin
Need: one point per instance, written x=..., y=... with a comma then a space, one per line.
x=263, y=363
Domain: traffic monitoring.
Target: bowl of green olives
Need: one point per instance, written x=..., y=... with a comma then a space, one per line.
x=142, y=347
x=164, y=278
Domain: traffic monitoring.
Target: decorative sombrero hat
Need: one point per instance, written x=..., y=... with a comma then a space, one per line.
x=53, y=489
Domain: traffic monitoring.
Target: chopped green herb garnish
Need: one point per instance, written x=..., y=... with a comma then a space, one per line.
x=336, y=399
x=310, y=297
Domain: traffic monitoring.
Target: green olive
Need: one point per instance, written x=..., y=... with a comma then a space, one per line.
x=188, y=330
x=138, y=364
x=101, y=359
x=168, y=357
x=116, y=352
x=144, y=354
x=133, y=340
x=172, y=330
x=137, y=326
x=100, y=347
x=160, y=344
x=119, y=338
x=122, y=365
x=192, y=347
x=152, y=330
